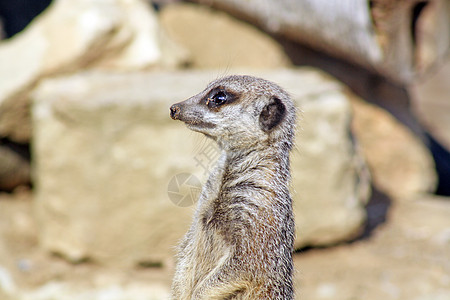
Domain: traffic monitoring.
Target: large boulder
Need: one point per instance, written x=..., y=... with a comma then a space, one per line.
x=72, y=35
x=400, y=39
x=400, y=164
x=216, y=40
x=116, y=177
x=431, y=102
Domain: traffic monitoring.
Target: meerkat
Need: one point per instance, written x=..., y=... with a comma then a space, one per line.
x=240, y=243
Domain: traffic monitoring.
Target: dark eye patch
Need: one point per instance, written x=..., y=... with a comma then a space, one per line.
x=218, y=97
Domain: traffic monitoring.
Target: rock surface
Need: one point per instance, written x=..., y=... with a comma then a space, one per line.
x=431, y=100
x=72, y=35
x=399, y=39
x=407, y=257
x=217, y=40
x=107, y=156
x=400, y=164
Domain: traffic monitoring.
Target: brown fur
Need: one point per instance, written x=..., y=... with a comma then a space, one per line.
x=240, y=242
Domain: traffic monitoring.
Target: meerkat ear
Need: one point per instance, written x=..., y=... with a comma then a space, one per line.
x=272, y=114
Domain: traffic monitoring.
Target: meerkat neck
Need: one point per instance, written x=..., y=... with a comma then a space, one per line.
x=270, y=157
x=264, y=169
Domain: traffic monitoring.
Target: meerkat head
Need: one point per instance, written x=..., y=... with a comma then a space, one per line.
x=240, y=112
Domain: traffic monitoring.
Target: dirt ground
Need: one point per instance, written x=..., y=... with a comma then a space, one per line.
x=404, y=254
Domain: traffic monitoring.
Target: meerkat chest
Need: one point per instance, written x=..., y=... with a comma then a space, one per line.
x=205, y=251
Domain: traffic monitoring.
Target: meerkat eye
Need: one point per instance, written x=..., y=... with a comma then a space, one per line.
x=219, y=98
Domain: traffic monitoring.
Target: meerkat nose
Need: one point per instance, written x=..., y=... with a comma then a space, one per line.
x=174, y=112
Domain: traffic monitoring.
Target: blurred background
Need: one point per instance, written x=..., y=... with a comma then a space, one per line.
x=98, y=184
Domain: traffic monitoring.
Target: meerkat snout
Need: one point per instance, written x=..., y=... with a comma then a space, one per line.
x=174, y=111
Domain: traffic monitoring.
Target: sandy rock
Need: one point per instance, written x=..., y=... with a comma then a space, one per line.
x=107, y=160
x=437, y=229
x=408, y=257
x=431, y=102
x=400, y=164
x=330, y=180
x=72, y=35
x=216, y=40
x=148, y=44
x=105, y=286
x=7, y=285
x=69, y=291
x=400, y=39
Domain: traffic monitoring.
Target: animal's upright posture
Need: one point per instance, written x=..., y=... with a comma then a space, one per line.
x=240, y=243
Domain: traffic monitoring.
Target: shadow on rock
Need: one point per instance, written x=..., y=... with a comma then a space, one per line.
x=377, y=210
